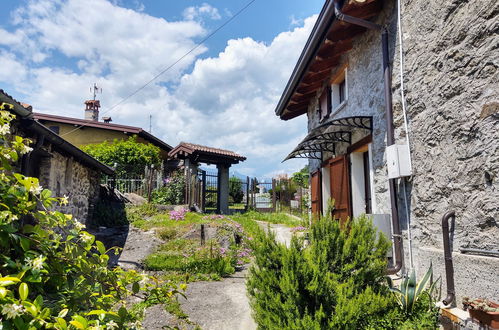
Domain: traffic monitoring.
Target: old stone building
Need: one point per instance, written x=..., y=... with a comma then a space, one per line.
x=403, y=120
x=60, y=166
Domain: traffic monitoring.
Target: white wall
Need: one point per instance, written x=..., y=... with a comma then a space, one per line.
x=326, y=188
x=358, y=183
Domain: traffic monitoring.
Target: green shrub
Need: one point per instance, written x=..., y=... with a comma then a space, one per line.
x=336, y=282
x=172, y=193
x=54, y=274
x=131, y=157
x=236, y=190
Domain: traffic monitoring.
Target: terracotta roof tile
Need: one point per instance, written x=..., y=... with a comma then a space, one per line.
x=192, y=148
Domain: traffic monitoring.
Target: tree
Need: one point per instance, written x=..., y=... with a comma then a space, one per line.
x=301, y=177
x=236, y=189
x=129, y=156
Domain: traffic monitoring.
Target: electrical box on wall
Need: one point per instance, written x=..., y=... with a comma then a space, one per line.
x=397, y=161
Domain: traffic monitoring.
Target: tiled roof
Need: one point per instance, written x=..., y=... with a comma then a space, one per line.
x=191, y=148
x=108, y=126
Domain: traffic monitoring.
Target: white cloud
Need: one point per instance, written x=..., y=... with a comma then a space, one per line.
x=198, y=12
x=226, y=101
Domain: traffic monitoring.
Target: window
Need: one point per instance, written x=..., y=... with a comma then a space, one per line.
x=325, y=103
x=339, y=89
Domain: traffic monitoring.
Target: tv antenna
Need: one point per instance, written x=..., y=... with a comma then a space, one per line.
x=96, y=90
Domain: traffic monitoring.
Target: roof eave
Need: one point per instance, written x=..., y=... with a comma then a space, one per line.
x=321, y=27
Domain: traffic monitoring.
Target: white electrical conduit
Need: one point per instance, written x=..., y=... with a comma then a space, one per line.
x=402, y=94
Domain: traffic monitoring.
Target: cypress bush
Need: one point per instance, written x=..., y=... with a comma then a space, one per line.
x=336, y=282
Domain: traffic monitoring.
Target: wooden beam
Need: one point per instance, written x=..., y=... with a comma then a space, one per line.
x=365, y=11
x=302, y=97
x=309, y=88
x=336, y=48
x=287, y=115
x=339, y=33
x=315, y=77
x=298, y=106
x=323, y=65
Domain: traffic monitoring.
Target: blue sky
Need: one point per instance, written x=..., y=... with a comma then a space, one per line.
x=222, y=95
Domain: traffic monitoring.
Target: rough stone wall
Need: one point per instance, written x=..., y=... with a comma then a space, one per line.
x=67, y=177
x=451, y=82
x=365, y=92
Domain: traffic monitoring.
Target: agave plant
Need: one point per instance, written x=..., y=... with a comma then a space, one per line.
x=411, y=291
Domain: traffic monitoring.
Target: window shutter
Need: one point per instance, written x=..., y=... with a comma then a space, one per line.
x=315, y=191
x=340, y=187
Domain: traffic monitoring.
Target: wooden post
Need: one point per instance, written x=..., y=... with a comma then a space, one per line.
x=203, y=238
x=273, y=194
x=149, y=189
x=203, y=193
x=247, y=192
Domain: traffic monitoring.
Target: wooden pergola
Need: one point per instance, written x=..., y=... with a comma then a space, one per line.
x=192, y=155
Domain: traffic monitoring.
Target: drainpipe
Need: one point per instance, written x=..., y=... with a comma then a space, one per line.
x=390, y=138
x=449, y=267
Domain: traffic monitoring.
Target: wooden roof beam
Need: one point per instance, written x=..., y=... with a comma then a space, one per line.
x=302, y=97
x=309, y=88
x=312, y=78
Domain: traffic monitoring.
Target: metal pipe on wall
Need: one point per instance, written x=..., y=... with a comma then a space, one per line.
x=449, y=266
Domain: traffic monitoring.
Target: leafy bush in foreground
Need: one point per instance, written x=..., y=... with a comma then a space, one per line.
x=52, y=273
x=337, y=282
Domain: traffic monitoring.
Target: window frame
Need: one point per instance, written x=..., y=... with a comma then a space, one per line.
x=339, y=83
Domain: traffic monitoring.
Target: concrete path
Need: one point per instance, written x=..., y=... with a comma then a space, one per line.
x=223, y=305
x=282, y=232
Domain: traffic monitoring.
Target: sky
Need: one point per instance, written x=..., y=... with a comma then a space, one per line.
x=222, y=94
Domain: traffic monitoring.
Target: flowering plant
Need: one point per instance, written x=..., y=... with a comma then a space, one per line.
x=178, y=215
x=54, y=274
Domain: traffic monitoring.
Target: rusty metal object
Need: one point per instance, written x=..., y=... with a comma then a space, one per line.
x=449, y=267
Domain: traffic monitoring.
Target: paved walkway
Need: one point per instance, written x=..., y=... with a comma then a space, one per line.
x=223, y=305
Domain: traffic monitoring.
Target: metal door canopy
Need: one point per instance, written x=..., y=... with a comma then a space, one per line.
x=325, y=137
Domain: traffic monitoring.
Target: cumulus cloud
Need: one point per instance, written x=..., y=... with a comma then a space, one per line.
x=203, y=11
x=225, y=101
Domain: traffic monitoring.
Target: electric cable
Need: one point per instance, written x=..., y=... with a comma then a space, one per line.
x=170, y=66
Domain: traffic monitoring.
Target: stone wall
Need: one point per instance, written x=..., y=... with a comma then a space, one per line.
x=65, y=176
x=365, y=92
x=451, y=83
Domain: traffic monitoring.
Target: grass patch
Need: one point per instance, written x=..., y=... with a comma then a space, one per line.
x=189, y=257
x=276, y=218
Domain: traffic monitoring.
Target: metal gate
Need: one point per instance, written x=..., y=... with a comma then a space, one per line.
x=209, y=191
x=262, y=195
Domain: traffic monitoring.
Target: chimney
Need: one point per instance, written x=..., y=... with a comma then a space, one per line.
x=92, y=110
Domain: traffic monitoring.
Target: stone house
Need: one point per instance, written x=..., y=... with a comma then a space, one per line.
x=59, y=165
x=403, y=122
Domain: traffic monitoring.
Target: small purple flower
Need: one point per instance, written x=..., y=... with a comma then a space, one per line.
x=178, y=215
x=299, y=228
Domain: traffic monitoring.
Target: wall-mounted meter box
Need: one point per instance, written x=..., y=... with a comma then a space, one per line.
x=397, y=161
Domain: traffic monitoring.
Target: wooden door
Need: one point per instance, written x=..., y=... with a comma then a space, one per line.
x=315, y=192
x=340, y=187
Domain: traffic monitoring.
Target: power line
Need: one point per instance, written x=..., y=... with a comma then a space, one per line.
x=171, y=65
